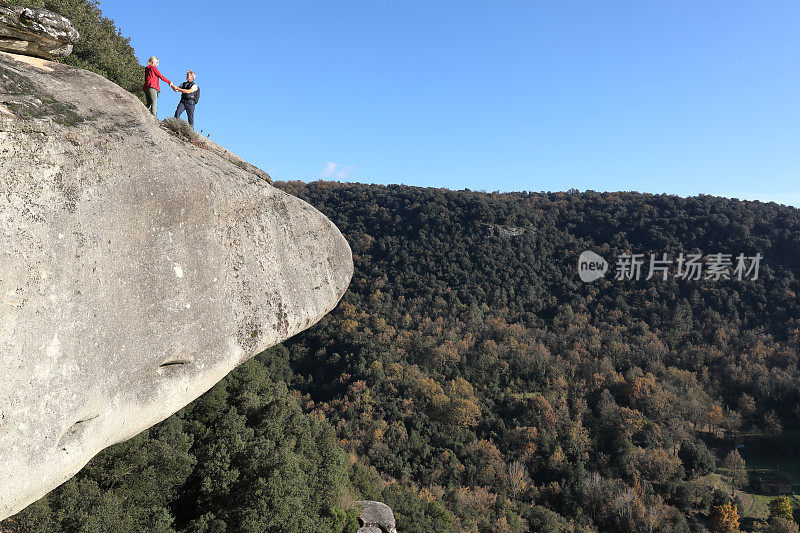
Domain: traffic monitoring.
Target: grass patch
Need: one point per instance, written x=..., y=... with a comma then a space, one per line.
x=753, y=505
x=773, y=456
x=765, y=456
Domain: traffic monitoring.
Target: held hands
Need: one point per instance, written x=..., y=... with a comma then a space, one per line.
x=174, y=88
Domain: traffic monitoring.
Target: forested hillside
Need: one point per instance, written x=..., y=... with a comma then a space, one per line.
x=469, y=364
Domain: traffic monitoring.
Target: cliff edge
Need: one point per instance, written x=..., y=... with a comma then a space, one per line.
x=136, y=271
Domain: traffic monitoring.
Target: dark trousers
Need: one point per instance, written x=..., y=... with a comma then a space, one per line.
x=189, y=107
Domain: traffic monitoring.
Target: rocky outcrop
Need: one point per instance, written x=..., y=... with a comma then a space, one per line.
x=376, y=517
x=496, y=230
x=36, y=32
x=136, y=271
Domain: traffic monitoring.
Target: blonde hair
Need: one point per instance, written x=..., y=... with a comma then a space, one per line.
x=152, y=61
x=190, y=72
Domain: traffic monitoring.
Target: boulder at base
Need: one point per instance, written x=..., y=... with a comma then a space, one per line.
x=375, y=516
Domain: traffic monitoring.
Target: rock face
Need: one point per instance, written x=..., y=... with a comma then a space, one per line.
x=376, y=517
x=136, y=270
x=496, y=230
x=36, y=32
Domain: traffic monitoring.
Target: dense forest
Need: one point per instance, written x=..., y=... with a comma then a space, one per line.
x=469, y=365
x=473, y=382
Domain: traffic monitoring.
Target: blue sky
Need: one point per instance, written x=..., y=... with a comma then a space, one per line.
x=682, y=97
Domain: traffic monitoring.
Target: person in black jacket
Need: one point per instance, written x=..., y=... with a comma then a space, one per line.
x=188, y=90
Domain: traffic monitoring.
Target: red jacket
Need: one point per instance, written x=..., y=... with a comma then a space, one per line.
x=151, y=75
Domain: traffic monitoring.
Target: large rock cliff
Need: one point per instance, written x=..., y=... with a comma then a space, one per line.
x=136, y=270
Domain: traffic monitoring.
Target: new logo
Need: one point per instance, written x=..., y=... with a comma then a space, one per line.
x=591, y=266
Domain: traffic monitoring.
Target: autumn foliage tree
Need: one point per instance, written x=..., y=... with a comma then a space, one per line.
x=725, y=518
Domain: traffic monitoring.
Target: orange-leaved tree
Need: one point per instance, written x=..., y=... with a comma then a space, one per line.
x=725, y=518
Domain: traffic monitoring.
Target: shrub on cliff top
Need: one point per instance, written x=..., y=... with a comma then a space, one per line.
x=182, y=129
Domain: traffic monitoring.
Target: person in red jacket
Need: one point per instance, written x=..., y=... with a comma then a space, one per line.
x=151, y=88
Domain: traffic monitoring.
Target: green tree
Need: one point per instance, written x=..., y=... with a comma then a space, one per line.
x=696, y=458
x=781, y=508
x=243, y=457
x=415, y=513
x=128, y=487
x=262, y=465
x=735, y=469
